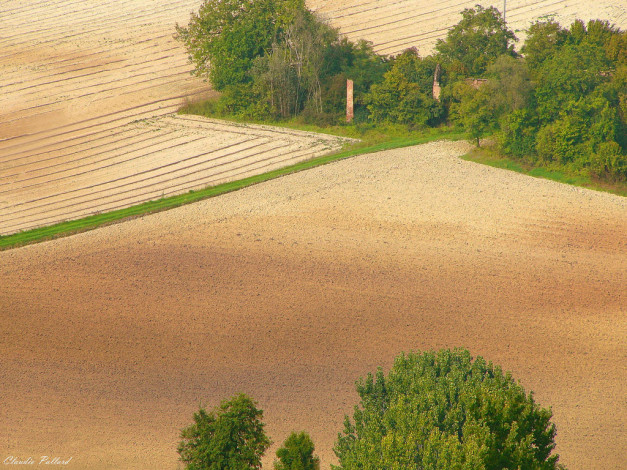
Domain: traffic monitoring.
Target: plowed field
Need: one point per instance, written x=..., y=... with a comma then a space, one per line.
x=87, y=88
x=394, y=25
x=292, y=289
x=141, y=162
x=77, y=77
x=289, y=290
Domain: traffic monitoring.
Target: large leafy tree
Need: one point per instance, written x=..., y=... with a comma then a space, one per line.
x=482, y=110
x=444, y=410
x=292, y=74
x=575, y=117
x=225, y=36
x=544, y=38
x=476, y=41
x=229, y=438
x=474, y=109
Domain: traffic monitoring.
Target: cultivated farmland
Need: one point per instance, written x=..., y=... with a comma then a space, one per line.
x=77, y=77
x=84, y=128
x=292, y=289
x=394, y=25
x=289, y=290
x=141, y=162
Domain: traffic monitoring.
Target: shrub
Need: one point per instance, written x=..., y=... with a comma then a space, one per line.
x=297, y=453
x=229, y=438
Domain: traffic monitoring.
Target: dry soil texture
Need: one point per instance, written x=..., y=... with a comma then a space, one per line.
x=292, y=289
x=87, y=87
x=394, y=25
x=144, y=161
x=289, y=290
x=78, y=79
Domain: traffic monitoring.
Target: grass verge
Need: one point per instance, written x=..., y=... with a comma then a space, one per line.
x=489, y=156
x=372, y=140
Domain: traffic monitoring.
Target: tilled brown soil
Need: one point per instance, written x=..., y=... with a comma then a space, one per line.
x=292, y=289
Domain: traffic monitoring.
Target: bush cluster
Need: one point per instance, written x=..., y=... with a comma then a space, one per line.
x=434, y=410
x=562, y=104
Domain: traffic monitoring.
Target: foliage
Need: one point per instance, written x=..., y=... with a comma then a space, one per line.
x=404, y=95
x=544, y=38
x=297, y=453
x=292, y=74
x=476, y=41
x=365, y=67
x=568, y=75
x=473, y=110
x=563, y=105
x=225, y=36
x=480, y=108
x=578, y=132
x=229, y=438
x=442, y=410
x=574, y=118
x=509, y=84
x=518, y=132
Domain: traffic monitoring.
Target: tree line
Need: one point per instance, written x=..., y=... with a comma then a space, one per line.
x=434, y=410
x=560, y=103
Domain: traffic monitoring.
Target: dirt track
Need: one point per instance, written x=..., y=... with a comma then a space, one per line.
x=292, y=289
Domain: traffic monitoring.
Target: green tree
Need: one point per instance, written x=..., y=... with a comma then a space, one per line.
x=444, y=410
x=475, y=110
x=568, y=75
x=544, y=38
x=509, y=84
x=574, y=117
x=518, y=133
x=355, y=61
x=583, y=137
x=476, y=41
x=229, y=438
x=484, y=109
x=225, y=36
x=297, y=453
x=364, y=66
x=292, y=75
x=404, y=95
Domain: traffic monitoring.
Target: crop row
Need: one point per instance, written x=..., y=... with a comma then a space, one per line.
x=132, y=166
x=397, y=24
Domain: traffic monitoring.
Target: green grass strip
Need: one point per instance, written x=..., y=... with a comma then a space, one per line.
x=491, y=157
x=64, y=229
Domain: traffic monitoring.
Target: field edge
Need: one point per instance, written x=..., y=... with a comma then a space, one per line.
x=84, y=224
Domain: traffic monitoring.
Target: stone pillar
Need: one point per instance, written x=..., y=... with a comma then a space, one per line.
x=349, y=101
x=436, y=83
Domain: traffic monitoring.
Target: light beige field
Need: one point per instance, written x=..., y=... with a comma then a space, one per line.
x=395, y=25
x=86, y=125
x=292, y=289
x=78, y=78
x=144, y=161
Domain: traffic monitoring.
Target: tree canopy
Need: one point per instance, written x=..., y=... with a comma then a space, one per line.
x=445, y=410
x=405, y=93
x=231, y=437
x=476, y=41
x=225, y=36
x=561, y=105
x=297, y=453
